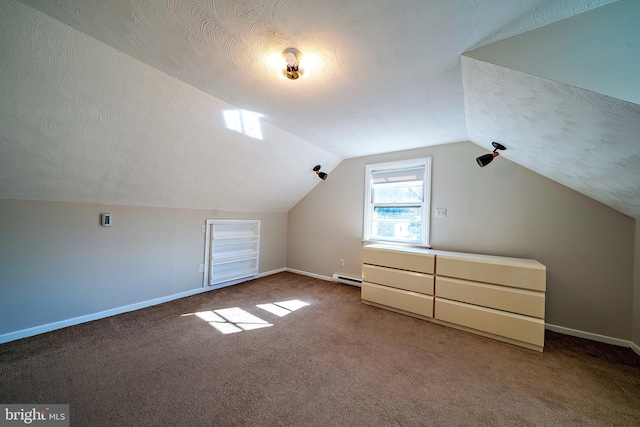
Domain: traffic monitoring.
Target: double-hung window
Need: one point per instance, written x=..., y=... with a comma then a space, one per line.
x=397, y=198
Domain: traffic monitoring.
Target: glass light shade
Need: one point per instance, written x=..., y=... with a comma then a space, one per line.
x=291, y=59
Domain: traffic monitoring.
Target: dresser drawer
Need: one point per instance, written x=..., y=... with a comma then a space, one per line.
x=411, y=302
x=514, y=326
x=515, y=272
x=404, y=259
x=402, y=279
x=520, y=301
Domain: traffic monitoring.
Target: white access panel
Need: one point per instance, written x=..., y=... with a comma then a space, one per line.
x=232, y=251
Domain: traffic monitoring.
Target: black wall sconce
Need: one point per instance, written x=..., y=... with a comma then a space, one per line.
x=485, y=159
x=322, y=175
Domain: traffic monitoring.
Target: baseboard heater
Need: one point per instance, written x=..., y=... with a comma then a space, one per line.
x=346, y=280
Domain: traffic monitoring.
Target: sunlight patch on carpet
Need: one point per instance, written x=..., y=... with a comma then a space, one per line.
x=232, y=320
x=235, y=319
x=283, y=308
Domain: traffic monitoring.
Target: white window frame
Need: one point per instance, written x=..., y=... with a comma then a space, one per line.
x=425, y=206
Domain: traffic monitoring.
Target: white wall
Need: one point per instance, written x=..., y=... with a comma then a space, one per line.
x=502, y=209
x=58, y=263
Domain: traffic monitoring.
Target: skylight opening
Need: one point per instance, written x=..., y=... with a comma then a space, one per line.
x=243, y=121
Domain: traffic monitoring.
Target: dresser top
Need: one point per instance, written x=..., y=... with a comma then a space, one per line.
x=493, y=259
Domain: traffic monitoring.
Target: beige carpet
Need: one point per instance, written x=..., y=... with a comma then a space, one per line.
x=319, y=358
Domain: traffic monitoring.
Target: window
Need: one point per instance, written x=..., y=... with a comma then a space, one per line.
x=397, y=198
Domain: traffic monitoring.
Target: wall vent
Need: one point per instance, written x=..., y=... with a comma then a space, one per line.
x=346, y=280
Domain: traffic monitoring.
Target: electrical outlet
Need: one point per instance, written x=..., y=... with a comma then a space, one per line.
x=201, y=268
x=441, y=213
x=341, y=263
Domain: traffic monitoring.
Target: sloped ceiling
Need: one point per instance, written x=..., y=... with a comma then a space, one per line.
x=83, y=122
x=584, y=140
x=565, y=100
x=125, y=103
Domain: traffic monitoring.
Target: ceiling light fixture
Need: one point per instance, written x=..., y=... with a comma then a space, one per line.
x=293, y=70
x=322, y=175
x=485, y=159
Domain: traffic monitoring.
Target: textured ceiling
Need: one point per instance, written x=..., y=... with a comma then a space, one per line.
x=125, y=105
x=389, y=72
x=584, y=140
x=82, y=122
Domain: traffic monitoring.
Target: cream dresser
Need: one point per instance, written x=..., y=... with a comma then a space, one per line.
x=498, y=297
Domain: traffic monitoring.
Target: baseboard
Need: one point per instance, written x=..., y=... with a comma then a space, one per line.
x=327, y=278
x=25, y=333
x=269, y=273
x=36, y=330
x=590, y=336
x=315, y=276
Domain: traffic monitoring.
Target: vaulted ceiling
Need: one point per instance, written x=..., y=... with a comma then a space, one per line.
x=183, y=103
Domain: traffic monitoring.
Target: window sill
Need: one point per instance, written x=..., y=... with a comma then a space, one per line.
x=390, y=243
